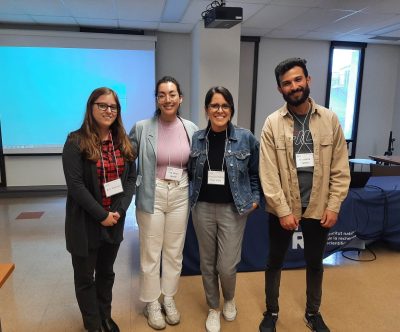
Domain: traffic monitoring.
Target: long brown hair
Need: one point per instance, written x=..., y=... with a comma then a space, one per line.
x=88, y=134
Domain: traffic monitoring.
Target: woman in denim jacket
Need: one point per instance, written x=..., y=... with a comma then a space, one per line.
x=224, y=189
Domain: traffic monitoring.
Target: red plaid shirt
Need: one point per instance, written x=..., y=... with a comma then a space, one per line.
x=109, y=169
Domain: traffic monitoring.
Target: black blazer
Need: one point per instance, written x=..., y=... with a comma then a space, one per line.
x=84, y=210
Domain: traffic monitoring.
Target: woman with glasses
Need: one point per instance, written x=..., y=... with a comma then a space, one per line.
x=162, y=201
x=225, y=188
x=99, y=168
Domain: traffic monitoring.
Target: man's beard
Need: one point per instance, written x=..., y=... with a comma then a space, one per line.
x=297, y=102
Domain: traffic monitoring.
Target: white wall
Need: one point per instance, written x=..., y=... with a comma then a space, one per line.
x=173, y=58
x=379, y=100
x=34, y=170
x=245, y=84
x=216, y=62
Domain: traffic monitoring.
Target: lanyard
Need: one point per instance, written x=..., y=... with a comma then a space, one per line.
x=163, y=136
x=115, y=159
x=302, y=124
x=208, y=146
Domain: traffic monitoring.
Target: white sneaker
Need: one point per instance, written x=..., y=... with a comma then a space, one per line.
x=155, y=318
x=213, y=323
x=172, y=315
x=229, y=311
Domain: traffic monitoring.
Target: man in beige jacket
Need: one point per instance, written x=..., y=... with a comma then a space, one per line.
x=305, y=176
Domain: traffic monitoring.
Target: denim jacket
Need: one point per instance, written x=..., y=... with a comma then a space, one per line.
x=241, y=158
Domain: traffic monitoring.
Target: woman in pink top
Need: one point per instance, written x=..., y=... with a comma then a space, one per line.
x=162, y=201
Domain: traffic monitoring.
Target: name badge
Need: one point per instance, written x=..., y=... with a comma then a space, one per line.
x=216, y=177
x=173, y=173
x=304, y=160
x=113, y=187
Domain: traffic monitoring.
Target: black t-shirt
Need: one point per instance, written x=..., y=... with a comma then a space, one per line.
x=212, y=193
x=303, y=143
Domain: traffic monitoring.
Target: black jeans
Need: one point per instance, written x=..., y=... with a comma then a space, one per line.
x=315, y=237
x=94, y=279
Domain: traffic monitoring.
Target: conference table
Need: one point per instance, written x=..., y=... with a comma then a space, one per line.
x=391, y=160
x=5, y=271
x=370, y=213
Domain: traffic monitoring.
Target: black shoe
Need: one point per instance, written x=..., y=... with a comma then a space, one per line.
x=315, y=322
x=109, y=325
x=96, y=330
x=269, y=322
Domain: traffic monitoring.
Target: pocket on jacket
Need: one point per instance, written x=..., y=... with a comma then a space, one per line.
x=326, y=146
x=242, y=159
x=280, y=144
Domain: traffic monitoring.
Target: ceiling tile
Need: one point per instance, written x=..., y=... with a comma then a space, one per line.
x=235, y=3
x=314, y=18
x=10, y=7
x=300, y=3
x=176, y=27
x=253, y=31
x=272, y=16
x=319, y=35
x=42, y=7
x=101, y=9
x=174, y=10
x=395, y=33
x=138, y=24
x=385, y=7
x=9, y=18
x=388, y=24
x=281, y=33
x=56, y=20
x=346, y=4
x=137, y=10
x=97, y=22
x=354, y=22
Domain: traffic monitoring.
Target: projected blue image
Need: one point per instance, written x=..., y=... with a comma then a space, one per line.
x=45, y=91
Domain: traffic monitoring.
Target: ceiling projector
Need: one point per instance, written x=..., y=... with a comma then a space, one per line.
x=223, y=17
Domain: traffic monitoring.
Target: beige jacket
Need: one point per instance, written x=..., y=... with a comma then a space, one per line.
x=278, y=173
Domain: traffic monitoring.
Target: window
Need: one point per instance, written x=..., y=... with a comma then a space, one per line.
x=346, y=62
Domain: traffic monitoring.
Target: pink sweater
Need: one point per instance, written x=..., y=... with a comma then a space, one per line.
x=172, y=146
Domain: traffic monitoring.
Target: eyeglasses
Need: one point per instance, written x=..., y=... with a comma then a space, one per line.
x=161, y=98
x=216, y=107
x=103, y=107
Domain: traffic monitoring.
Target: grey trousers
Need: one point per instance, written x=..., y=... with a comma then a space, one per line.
x=219, y=230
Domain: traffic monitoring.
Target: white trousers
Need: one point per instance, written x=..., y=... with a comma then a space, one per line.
x=162, y=236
